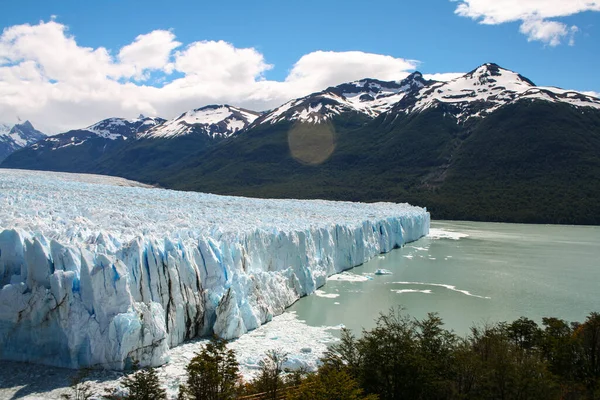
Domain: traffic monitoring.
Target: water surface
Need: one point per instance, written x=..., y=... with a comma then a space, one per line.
x=471, y=273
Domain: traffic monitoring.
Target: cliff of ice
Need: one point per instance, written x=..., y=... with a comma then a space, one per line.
x=98, y=271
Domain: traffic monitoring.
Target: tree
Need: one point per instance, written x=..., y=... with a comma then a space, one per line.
x=390, y=360
x=588, y=339
x=329, y=383
x=524, y=333
x=144, y=385
x=213, y=374
x=81, y=390
x=270, y=379
x=435, y=349
x=560, y=350
x=344, y=354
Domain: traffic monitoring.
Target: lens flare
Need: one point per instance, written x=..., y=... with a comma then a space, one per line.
x=312, y=144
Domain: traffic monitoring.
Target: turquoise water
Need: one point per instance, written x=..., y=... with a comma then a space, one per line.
x=498, y=272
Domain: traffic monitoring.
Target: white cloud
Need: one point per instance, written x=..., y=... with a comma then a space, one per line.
x=210, y=61
x=148, y=52
x=534, y=16
x=594, y=94
x=327, y=68
x=47, y=77
x=550, y=32
x=443, y=77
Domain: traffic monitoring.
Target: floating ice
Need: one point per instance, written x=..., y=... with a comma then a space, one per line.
x=400, y=291
x=449, y=287
x=349, y=277
x=383, y=271
x=321, y=293
x=97, y=274
x=436, y=233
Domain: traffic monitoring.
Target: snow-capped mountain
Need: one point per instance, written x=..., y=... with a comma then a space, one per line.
x=111, y=129
x=369, y=97
x=214, y=121
x=484, y=90
x=16, y=137
x=115, y=128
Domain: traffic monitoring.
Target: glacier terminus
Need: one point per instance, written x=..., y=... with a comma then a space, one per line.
x=97, y=271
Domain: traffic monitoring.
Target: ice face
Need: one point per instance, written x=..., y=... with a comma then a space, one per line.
x=98, y=272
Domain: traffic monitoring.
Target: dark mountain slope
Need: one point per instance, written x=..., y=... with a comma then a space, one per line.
x=80, y=150
x=528, y=162
x=489, y=145
x=13, y=138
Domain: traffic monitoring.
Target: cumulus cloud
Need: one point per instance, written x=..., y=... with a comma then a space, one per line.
x=443, y=77
x=550, y=32
x=326, y=68
x=148, y=52
x=593, y=94
x=47, y=77
x=536, y=16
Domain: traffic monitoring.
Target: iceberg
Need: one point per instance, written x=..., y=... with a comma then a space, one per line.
x=383, y=271
x=100, y=272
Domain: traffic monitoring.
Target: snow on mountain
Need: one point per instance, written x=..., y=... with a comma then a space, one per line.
x=370, y=97
x=214, y=121
x=17, y=136
x=110, y=129
x=484, y=90
x=115, y=128
x=94, y=273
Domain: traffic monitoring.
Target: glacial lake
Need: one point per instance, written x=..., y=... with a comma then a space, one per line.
x=470, y=273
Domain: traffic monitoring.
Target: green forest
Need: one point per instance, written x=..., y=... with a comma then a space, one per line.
x=406, y=358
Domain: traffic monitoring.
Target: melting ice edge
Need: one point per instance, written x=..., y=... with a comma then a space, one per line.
x=96, y=272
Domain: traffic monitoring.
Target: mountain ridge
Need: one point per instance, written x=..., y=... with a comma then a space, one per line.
x=369, y=140
x=17, y=136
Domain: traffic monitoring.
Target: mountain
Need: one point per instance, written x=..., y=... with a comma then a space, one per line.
x=79, y=150
x=487, y=146
x=490, y=145
x=193, y=132
x=121, y=128
x=16, y=137
x=367, y=97
x=214, y=121
x=484, y=90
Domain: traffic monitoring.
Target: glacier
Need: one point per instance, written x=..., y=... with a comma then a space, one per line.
x=99, y=271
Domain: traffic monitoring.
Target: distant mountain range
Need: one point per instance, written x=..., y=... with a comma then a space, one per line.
x=15, y=137
x=490, y=145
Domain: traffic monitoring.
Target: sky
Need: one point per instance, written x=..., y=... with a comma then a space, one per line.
x=66, y=64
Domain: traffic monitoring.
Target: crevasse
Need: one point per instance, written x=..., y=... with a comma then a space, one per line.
x=94, y=274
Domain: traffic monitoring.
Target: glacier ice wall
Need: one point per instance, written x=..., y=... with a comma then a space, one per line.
x=97, y=272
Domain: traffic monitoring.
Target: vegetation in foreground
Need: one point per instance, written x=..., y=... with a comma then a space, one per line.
x=405, y=358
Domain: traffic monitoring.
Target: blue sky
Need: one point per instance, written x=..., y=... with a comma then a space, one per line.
x=550, y=42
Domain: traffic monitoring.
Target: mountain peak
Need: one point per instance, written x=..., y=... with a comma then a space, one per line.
x=492, y=72
x=213, y=120
x=25, y=125
x=369, y=97
x=121, y=128
x=415, y=75
x=17, y=136
x=484, y=90
x=213, y=107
